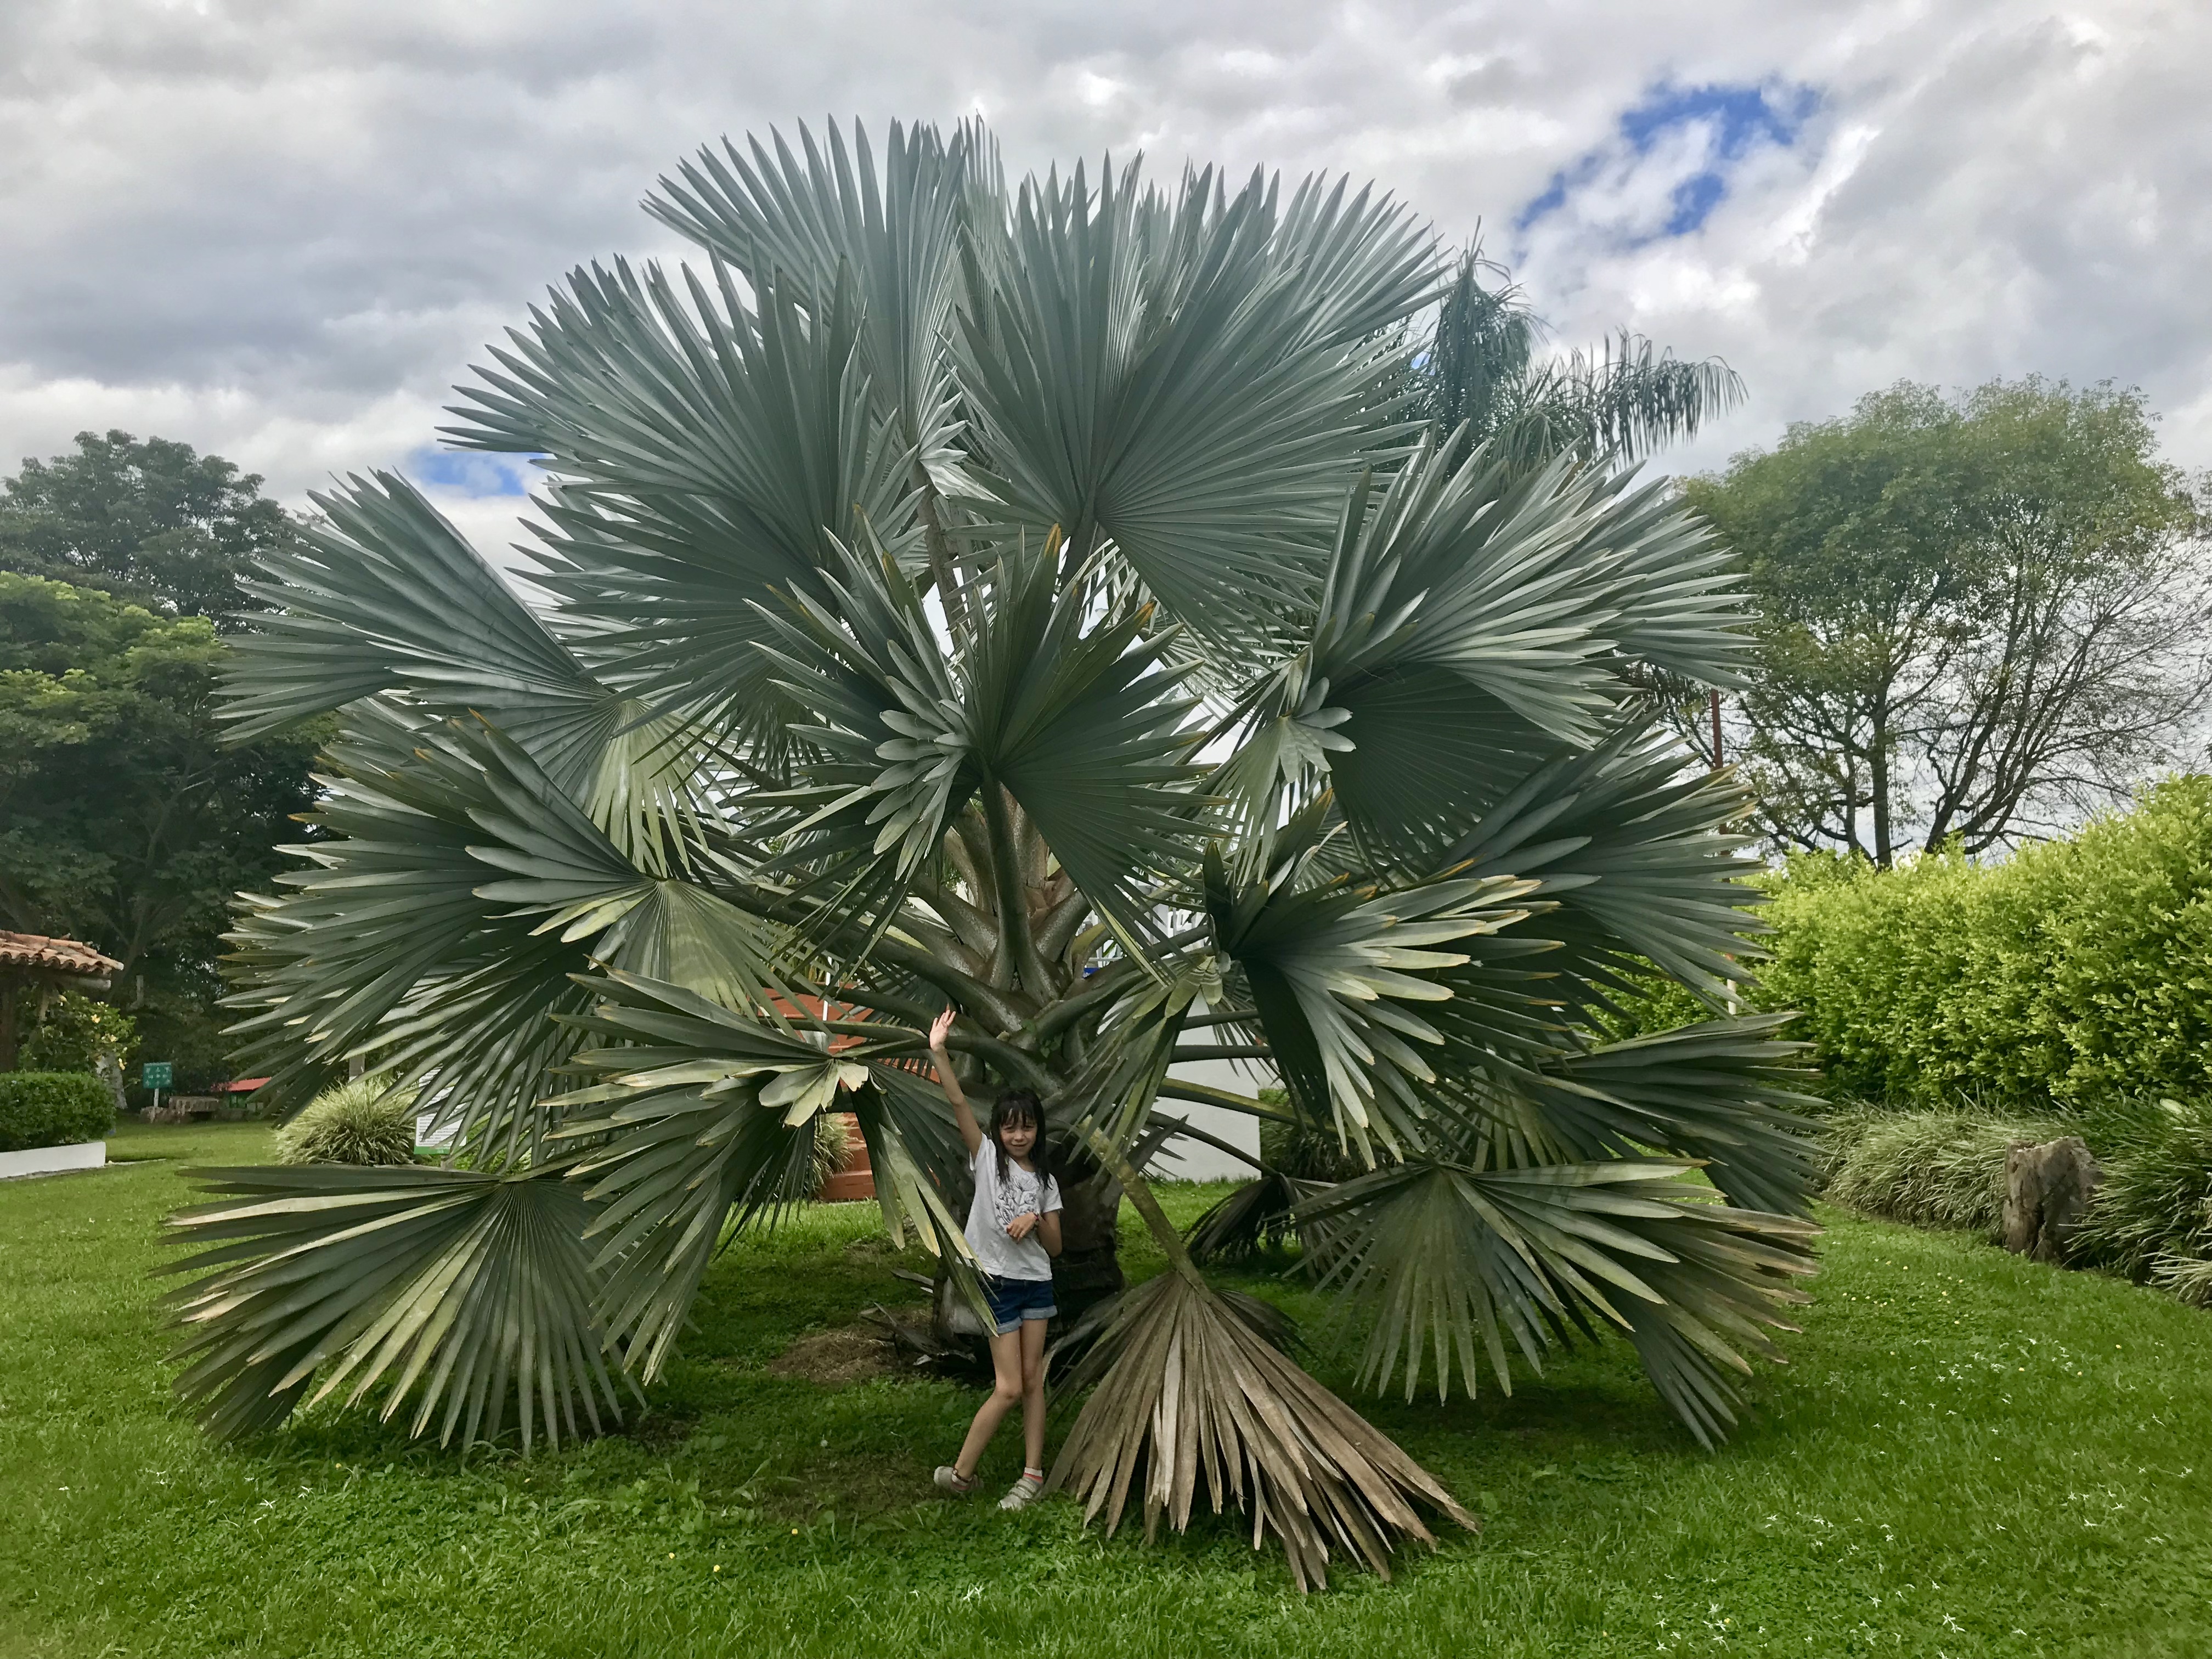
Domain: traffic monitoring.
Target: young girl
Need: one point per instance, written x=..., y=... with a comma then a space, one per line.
x=1013, y=1227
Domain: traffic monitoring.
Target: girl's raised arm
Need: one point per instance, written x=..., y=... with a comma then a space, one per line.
x=971, y=1136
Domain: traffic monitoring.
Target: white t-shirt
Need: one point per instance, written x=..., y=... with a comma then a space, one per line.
x=996, y=1203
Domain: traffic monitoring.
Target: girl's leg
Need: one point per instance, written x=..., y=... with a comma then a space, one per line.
x=1032, y=1361
x=1006, y=1394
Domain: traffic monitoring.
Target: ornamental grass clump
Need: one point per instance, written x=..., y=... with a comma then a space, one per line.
x=1931, y=1168
x=2154, y=1204
x=832, y=1152
x=365, y=1122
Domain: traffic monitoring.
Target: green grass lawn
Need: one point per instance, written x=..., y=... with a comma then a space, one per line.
x=1969, y=1455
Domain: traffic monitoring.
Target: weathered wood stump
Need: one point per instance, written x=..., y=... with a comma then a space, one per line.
x=2047, y=1188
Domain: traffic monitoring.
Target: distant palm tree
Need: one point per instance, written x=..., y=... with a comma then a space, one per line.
x=1021, y=600
x=1479, y=366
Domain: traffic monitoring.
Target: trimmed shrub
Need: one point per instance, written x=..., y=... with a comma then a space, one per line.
x=365, y=1121
x=52, y=1108
x=1931, y=1168
x=2070, y=972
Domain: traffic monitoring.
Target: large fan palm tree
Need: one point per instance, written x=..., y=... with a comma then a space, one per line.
x=1478, y=367
x=1033, y=601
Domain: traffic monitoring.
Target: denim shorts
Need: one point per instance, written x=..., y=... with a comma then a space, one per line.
x=1014, y=1300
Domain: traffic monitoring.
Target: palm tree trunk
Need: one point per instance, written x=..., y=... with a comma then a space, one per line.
x=1089, y=1269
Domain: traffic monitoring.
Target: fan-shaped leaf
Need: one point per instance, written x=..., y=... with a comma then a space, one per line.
x=1187, y=1390
x=708, y=455
x=461, y=1290
x=1175, y=377
x=1450, y=1257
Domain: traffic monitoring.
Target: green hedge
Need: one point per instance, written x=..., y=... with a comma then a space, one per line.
x=52, y=1108
x=2071, y=972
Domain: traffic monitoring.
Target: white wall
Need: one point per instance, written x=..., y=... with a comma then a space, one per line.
x=1184, y=1159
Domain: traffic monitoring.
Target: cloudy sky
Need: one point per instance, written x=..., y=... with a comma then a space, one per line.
x=281, y=231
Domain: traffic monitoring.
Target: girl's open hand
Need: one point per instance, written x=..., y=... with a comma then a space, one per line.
x=1022, y=1226
x=938, y=1030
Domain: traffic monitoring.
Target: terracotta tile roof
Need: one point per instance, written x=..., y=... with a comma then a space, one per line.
x=54, y=956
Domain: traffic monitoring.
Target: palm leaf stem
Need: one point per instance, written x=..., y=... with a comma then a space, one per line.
x=1017, y=942
x=976, y=996
x=1181, y=1129
x=967, y=1040
x=1176, y=1088
x=972, y=927
x=1147, y=1205
x=893, y=1042
x=1061, y=925
x=1102, y=987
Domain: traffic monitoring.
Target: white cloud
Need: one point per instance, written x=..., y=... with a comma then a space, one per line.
x=281, y=233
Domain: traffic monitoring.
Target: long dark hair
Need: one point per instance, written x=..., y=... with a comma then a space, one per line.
x=1020, y=1106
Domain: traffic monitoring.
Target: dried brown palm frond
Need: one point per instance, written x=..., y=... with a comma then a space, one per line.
x=1188, y=1389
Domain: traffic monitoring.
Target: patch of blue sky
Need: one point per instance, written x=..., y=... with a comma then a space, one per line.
x=469, y=472
x=1703, y=131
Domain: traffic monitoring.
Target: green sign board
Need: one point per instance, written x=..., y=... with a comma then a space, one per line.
x=156, y=1075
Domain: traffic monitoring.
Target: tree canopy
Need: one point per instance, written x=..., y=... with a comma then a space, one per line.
x=1480, y=366
x=1981, y=614
x=126, y=820
x=149, y=521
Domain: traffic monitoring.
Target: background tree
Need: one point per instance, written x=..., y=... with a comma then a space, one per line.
x=1478, y=365
x=1982, y=614
x=150, y=521
x=1018, y=600
x=125, y=820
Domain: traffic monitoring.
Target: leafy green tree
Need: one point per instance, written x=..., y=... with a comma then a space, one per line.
x=1982, y=614
x=1479, y=365
x=79, y=1033
x=126, y=820
x=149, y=521
x=989, y=597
